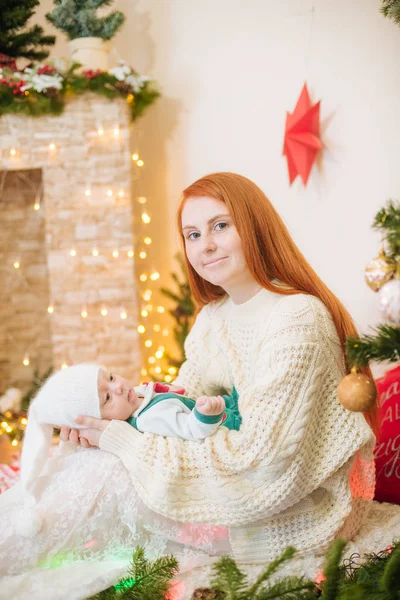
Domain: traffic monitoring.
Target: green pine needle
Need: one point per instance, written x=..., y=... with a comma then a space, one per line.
x=332, y=570
x=146, y=580
x=383, y=345
x=390, y=582
x=387, y=220
x=271, y=569
x=28, y=43
x=78, y=18
x=391, y=9
x=229, y=578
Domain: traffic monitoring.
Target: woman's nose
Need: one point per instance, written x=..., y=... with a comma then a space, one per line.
x=209, y=243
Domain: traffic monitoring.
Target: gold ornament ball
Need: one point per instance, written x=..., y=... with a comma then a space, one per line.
x=379, y=271
x=357, y=392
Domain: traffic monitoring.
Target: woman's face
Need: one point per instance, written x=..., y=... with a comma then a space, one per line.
x=213, y=246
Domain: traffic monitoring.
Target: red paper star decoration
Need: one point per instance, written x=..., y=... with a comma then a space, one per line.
x=302, y=141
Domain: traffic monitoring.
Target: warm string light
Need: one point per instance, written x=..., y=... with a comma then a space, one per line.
x=143, y=255
x=146, y=219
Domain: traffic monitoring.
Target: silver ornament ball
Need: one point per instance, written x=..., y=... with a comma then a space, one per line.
x=389, y=296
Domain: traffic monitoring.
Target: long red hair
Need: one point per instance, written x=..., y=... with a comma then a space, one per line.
x=269, y=250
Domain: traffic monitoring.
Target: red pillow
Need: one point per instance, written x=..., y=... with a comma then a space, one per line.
x=387, y=449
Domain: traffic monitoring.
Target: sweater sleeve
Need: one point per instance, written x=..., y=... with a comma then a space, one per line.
x=171, y=419
x=294, y=434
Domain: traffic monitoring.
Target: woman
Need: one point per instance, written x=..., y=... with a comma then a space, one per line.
x=299, y=471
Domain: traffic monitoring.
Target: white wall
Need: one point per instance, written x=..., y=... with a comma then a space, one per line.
x=229, y=70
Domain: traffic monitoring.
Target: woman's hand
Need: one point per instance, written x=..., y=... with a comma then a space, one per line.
x=88, y=436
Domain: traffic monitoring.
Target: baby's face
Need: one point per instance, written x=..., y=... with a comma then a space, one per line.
x=117, y=399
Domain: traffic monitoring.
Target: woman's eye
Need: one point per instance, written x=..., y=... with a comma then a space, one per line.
x=222, y=224
x=111, y=377
x=193, y=235
x=107, y=397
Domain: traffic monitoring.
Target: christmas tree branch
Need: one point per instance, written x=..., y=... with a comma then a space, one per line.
x=384, y=345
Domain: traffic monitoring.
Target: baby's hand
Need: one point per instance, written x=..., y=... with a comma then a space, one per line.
x=210, y=405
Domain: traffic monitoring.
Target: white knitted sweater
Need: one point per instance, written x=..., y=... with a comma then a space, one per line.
x=300, y=470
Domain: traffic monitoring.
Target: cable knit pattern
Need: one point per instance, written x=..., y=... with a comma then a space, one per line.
x=291, y=474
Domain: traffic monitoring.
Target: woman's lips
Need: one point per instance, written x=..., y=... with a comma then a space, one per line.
x=214, y=262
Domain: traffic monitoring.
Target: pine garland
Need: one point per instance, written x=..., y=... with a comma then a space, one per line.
x=19, y=93
x=77, y=18
x=14, y=40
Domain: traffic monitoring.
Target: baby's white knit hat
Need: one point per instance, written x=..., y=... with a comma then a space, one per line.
x=65, y=395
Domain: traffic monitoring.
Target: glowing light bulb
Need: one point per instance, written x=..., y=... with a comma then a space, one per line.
x=52, y=146
x=131, y=253
x=140, y=163
x=115, y=254
x=172, y=370
x=141, y=328
x=142, y=199
x=9, y=429
x=104, y=312
x=24, y=421
x=147, y=241
x=151, y=360
x=145, y=218
x=36, y=206
x=123, y=314
x=14, y=443
x=160, y=309
x=159, y=354
x=88, y=192
x=135, y=156
x=143, y=277
x=95, y=252
x=158, y=369
x=16, y=265
x=165, y=332
x=100, y=131
x=50, y=309
x=13, y=152
x=109, y=192
x=156, y=327
x=155, y=276
x=142, y=254
x=84, y=313
x=147, y=295
x=148, y=344
x=64, y=366
x=121, y=193
x=144, y=313
x=168, y=378
x=4, y=424
x=72, y=252
x=26, y=361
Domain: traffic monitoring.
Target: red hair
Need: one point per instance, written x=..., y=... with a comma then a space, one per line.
x=270, y=253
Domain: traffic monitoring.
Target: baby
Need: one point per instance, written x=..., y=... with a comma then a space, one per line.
x=90, y=390
x=164, y=409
